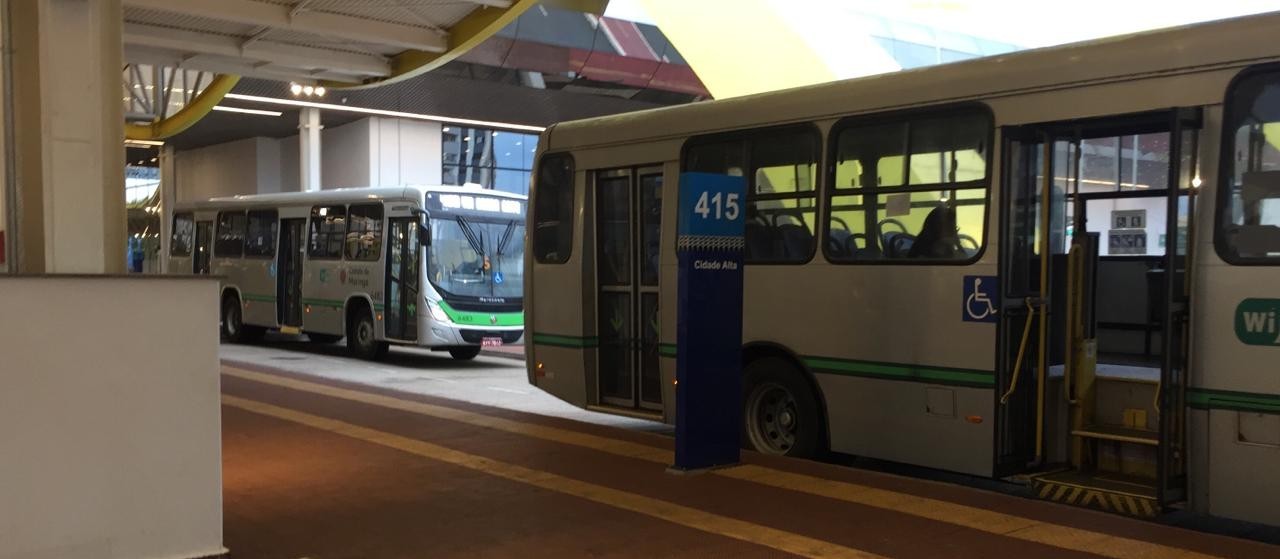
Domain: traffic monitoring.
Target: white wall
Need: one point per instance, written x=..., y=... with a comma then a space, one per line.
x=404, y=151
x=110, y=419
x=228, y=169
x=344, y=155
x=368, y=152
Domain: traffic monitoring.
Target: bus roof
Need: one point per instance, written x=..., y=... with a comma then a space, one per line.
x=346, y=195
x=1205, y=46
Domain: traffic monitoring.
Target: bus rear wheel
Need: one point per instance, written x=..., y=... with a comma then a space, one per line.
x=362, y=338
x=232, y=325
x=464, y=353
x=779, y=411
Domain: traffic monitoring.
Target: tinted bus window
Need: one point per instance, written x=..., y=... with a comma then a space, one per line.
x=328, y=230
x=184, y=231
x=1249, y=216
x=553, y=210
x=364, y=232
x=780, y=166
x=908, y=190
x=229, y=239
x=261, y=238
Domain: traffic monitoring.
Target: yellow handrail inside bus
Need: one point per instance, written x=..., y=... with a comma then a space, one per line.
x=1074, y=314
x=1022, y=349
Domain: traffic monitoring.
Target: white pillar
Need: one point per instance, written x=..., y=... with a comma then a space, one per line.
x=309, y=149
x=68, y=124
x=168, y=196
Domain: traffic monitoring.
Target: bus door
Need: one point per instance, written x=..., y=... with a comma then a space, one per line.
x=289, y=272
x=628, y=228
x=1093, y=352
x=404, y=257
x=204, y=247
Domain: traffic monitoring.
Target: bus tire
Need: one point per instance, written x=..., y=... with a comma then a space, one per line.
x=232, y=326
x=362, y=337
x=779, y=411
x=323, y=338
x=464, y=353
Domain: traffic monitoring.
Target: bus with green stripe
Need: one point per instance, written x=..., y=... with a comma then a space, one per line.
x=439, y=267
x=1057, y=267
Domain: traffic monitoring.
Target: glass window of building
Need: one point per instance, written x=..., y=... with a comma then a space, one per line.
x=496, y=159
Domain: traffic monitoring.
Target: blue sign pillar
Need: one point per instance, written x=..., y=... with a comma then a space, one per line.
x=710, y=247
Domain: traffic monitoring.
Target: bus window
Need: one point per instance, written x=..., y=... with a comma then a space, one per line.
x=184, y=231
x=229, y=239
x=780, y=195
x=780, y=166
x=261, y=238
x=914, y=189
x=553, y=210
x=1249, y=217
x=328, y=229
x=364, y=232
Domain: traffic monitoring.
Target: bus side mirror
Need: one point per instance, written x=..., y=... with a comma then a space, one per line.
x=424, y=228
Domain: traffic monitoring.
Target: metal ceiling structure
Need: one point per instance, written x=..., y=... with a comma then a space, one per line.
x=334, y=43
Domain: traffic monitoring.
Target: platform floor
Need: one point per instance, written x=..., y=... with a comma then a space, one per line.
x=324, y=469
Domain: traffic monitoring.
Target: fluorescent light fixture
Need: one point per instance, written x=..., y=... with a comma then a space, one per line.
x=145, y=143
x=380, y=112
x=227, y=109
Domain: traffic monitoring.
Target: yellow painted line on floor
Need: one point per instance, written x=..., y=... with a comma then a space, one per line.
x=678, y=514
x=1007, y=525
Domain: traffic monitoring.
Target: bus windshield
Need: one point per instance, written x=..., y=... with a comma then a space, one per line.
x=474, y=256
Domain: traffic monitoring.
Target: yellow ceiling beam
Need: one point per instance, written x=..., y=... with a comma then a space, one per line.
x=739, y=47
x=188, y=115
x=465, y=35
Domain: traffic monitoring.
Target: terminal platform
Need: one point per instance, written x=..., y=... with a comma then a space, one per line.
x=326, y=469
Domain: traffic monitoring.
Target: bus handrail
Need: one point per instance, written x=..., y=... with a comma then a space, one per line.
x=1022, y=350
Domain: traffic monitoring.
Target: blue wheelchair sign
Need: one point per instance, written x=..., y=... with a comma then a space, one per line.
x=981, y=294
x=497, y=278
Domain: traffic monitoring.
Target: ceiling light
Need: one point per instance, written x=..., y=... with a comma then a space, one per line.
x=308, y=90
x=380, y=112
x=320, y=90
x=246, y=111
x=295, y=88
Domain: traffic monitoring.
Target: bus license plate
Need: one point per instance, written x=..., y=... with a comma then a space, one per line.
x=490, y=342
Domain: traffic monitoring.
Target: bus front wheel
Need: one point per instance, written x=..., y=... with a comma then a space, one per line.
x=362, y=338
x=779, y=411
x=464, y=353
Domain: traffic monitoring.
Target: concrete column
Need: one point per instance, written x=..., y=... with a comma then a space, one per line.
x=168, y=196
x=309, y=148
x=68, y=130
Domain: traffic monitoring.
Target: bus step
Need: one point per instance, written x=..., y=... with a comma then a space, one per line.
x=1108, y=492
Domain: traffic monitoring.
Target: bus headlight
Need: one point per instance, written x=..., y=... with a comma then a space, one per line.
x=438, y=313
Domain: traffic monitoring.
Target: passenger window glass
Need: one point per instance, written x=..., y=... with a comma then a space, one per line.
x=328, y=229
x=184, y=230
x=261, y=240
x=1249, y=220
x=229, y=240
x=364, y=232
x=911, y=190
x=553, y=210
x=780, y=194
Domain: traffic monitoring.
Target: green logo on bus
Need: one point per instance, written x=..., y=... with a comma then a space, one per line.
x=1256, y=321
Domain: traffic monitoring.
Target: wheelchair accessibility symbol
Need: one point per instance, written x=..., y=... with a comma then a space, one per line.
x=980, y=296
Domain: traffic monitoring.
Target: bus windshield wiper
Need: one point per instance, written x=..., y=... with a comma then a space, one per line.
x=477, y=244
x=506, y=237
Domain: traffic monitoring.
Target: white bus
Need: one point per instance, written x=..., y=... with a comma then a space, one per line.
x=360, y=263
x=908, y=295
